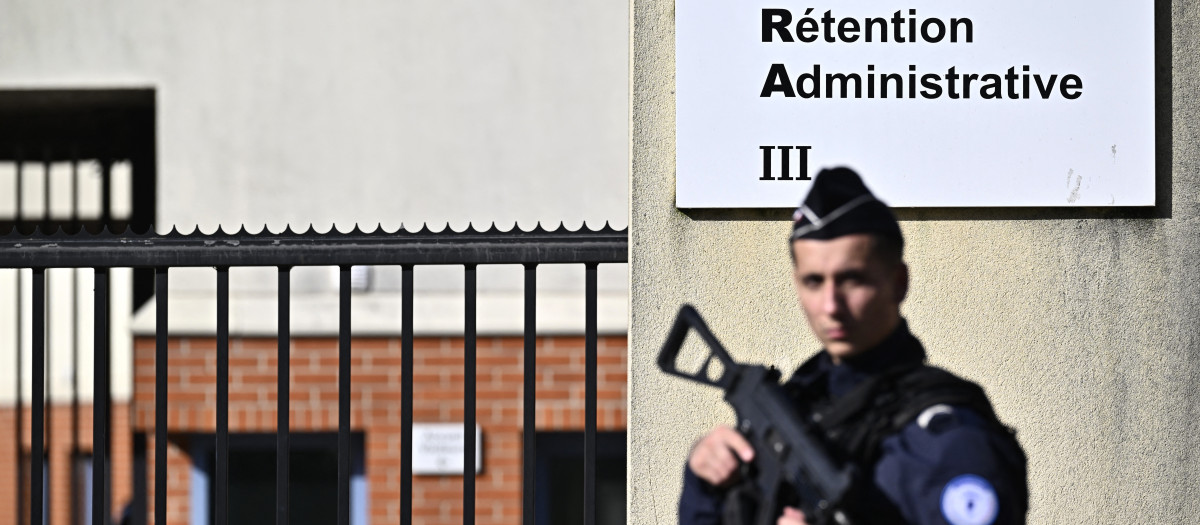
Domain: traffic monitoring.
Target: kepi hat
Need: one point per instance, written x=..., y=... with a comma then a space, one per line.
x=840, y=204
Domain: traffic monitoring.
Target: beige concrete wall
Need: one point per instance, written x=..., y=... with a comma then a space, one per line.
x=1083, y=325
x=297, y=112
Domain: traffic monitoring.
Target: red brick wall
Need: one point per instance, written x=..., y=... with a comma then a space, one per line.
x=375, y=396
x=58, y=418
x=8, y=465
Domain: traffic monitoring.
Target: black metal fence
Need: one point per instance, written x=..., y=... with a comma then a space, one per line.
x=160, y=252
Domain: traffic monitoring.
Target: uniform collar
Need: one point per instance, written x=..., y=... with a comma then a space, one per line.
x=820, y=374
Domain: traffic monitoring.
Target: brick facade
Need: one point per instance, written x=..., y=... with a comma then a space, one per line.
x=375, y=396
x=58, y=449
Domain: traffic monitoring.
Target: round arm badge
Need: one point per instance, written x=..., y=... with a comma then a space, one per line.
x=969, y=500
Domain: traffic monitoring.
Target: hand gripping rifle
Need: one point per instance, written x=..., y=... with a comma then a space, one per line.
x=791, y=465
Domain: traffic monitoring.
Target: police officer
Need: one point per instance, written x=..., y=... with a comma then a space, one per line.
x=928, y=445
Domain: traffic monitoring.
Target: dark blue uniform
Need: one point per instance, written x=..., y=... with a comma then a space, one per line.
x=949, y=466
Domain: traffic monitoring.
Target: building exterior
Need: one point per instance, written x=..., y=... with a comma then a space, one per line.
x=291, y=115
x=375, y=420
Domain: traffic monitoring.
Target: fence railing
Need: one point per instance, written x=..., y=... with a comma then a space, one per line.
x=471, y=248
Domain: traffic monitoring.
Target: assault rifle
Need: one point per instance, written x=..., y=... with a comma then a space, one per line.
x=791, y=465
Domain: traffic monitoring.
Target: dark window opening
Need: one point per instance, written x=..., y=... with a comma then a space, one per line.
x=81, y=479
x=312, y=482
x=560, y=478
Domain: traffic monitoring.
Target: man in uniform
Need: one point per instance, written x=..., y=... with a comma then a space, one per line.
x=928, y=447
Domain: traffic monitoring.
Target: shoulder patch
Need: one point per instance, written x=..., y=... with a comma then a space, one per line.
x=969, y=500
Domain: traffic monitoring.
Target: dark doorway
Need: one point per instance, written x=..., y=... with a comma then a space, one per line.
x=312, y=482
x=560, y=478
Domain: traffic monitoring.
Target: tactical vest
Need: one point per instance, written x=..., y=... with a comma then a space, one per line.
x=881, y=406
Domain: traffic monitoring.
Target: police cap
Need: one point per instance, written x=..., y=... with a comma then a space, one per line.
x=840, y=204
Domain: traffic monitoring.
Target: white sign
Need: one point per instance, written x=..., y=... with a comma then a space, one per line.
x=437, y=448
x=934, y=102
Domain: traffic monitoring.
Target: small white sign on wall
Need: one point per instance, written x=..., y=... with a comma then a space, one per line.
x=935, y=102
x=437, y=448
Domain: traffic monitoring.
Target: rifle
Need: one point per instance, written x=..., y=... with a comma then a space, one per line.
x=792, y=465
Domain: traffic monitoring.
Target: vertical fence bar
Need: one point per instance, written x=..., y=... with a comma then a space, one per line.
x=406, y=393
x=76, y=501
x=343, y=487
x=108, y=439
x=38, y=402
x=138, y=516
x=283, y=398
x=76, y=513
x=48, y=400
x=19, y=413
x=589, y=439
x=160, y=395
x=100, y=401
x=529, y=404
x=221, y=488
x=469, y=396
